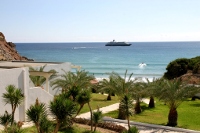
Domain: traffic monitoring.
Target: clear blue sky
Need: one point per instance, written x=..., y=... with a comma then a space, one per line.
x=100, y=20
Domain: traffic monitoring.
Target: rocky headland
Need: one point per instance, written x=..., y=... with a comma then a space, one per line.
x=8, y=51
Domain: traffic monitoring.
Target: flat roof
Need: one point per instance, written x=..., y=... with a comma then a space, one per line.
x=18, y=64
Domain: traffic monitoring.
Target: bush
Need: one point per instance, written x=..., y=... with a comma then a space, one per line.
x=133, y=129
x=181, y=66
x=105, y=125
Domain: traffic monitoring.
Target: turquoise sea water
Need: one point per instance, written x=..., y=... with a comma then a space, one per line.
x=99, y=59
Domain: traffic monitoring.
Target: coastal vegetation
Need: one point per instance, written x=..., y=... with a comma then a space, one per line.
x=181, y=66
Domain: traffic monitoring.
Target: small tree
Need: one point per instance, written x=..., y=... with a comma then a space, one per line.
x=83, y=97
x=5, y=120
x=122, y=86
x=107, y=86
x=97, y=116
x=139, y=91
x=173, y=93
x=63, y=110
x=13, y=96
x=127, y=104
x=38, y=114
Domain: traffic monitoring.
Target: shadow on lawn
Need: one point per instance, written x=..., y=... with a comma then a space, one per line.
x=96, y=99
x=195, y=104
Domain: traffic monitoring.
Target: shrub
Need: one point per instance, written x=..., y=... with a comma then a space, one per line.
x=106, y=125
x=133, y=129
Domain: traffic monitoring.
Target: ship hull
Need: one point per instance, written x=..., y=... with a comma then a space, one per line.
x=118, y=44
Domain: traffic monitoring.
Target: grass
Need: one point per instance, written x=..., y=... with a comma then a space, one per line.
x=99, y=100
x=188, y=114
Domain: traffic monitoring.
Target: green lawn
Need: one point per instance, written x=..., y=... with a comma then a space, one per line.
x=99, y=100
x=188, y=114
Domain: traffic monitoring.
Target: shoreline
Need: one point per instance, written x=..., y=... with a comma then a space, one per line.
x=138, y=79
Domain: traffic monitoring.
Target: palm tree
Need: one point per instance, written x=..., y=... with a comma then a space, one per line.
x=107, y=86
x=97, y=116
x=150, y=87
x=13, y=96
x=139, y=91
x=83, y=98
x=127, y=104
x=73, y=82
x=173, y=93
x=63, y=109
x=39, y=80
x=122, y=86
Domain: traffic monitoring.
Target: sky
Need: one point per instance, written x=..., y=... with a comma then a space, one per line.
x=100, y=20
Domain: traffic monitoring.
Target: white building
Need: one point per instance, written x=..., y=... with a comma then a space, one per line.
x=17, y=73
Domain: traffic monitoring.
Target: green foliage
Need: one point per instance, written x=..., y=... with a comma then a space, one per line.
x=97, y=116
x=63, y=110
x=15, y=128
x=5, y=119
x=196, y=68
x=73, y=82
x=14, y=97
x=173, y=93
x=127, y=105
x=38, y=114
x=133, y=129
x=121, y=86
x=107, y=86
x=84, y=97
x=46, y=126
x=177, y=68
x=180, y=66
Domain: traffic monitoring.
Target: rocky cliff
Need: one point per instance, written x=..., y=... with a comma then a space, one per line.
x=8, y=51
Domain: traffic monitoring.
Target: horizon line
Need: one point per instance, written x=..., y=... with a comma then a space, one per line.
x=106, y=42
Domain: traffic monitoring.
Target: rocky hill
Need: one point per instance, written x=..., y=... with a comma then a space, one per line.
x=191, y=78
x=8, y=51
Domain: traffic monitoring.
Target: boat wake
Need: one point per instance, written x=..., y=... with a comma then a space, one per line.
x=142, y=65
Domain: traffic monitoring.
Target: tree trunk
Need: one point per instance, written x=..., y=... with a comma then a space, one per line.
x=13, y=114
x=137, y=107
x=37, y=127
x=129, y=126
x=121, y=114
x=95, y=127
x=57, y=126
x=81, y=106
x=109, y=97
x=172, y=117
x=151, y=102
x=91, y=119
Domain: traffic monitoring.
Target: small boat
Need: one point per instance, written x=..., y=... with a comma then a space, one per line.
x=114, y=43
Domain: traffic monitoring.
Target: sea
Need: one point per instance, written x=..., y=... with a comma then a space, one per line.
x=143, y=59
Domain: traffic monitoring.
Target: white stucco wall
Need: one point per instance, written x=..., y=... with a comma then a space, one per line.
x=59, y=69
x=41, y=94
x=15, y=77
